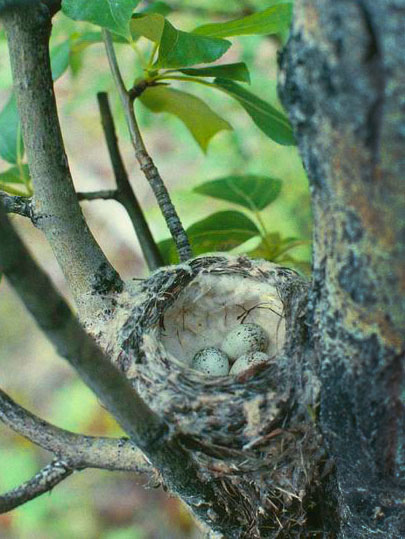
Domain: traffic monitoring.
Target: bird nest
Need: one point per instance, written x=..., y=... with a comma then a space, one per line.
x=243, y=426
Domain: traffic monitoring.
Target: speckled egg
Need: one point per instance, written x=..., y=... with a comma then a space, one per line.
x=243, y=339
x=248, y=360
x=211, y=361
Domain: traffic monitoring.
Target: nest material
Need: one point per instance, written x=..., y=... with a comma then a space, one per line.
x=241, y=429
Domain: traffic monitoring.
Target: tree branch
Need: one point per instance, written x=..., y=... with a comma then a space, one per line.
x=17, y=204
x=110, y=194
x=42, y=482
x=145, y=161
x=55, y=202
x=150, y=433
x=79, y=450
x=60, y=325
x=124, y=193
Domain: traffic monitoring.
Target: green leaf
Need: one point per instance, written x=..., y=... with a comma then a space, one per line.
x=182, y=49
x=10, y=132
x=79, y=42
x=202, y=121
x=111, y=14
x=60, y=59
x=221, y=231
x=15, y=175
x=253, y=192
x=177, y=48
x=272, y=20
x=168, y=251
x=158, y=7
x=149, y=26
x=273, y=247
x=237, y=71
x=272, y=122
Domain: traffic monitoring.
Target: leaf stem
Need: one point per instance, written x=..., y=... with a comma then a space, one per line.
x=152, y=55
x=12, y=190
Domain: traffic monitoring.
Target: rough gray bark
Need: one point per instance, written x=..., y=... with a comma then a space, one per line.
x=343, y=85
x=58, y=214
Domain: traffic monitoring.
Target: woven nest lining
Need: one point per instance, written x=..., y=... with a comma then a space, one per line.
x=188, y=307
x=211, y=305
x=243, y=430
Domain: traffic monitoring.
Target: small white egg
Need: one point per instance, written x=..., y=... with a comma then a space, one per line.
x=211, y=361
x=248, y=360
x=243, y=339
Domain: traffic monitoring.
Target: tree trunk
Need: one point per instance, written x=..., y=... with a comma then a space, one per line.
x=343, y=84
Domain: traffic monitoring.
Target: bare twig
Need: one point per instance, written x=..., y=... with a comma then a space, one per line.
x=55, y=202
x=79, y=450
x=150, y=433
x=42, y=482
x=24, y=205
x=124, y=193
x=17, y=204
x=145, y=161
x=107, y=194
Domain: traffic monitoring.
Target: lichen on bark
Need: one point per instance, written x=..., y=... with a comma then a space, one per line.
x=341, y=76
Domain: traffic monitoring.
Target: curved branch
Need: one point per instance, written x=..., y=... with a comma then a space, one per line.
x=145, y=161
x=42, y=482
x=79, y=450
x=55, y=201
x=150, y=433
x=71, y=341
x=124, y=193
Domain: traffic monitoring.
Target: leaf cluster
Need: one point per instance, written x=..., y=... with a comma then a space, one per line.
x=180, y=56
x=226, y=230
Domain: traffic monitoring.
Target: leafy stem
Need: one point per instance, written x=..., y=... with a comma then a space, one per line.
x=145, y=161
x=152, y=56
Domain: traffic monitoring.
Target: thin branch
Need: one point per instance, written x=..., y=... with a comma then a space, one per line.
x=79, y=450
x=124, y=193
x=42, y=482
x=23, y=206
x=17, y=204
x=145, y=161
x=97, y=195
x=150, y=433
x=55, y=202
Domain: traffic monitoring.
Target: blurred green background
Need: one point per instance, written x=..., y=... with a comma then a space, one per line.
x=97, y=504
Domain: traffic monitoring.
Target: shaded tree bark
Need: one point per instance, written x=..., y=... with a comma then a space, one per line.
x=343, y=85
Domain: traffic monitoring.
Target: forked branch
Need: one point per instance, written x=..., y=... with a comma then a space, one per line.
x=79, y=450
x=148, y=431
x=55, y=203
x=42, y=482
